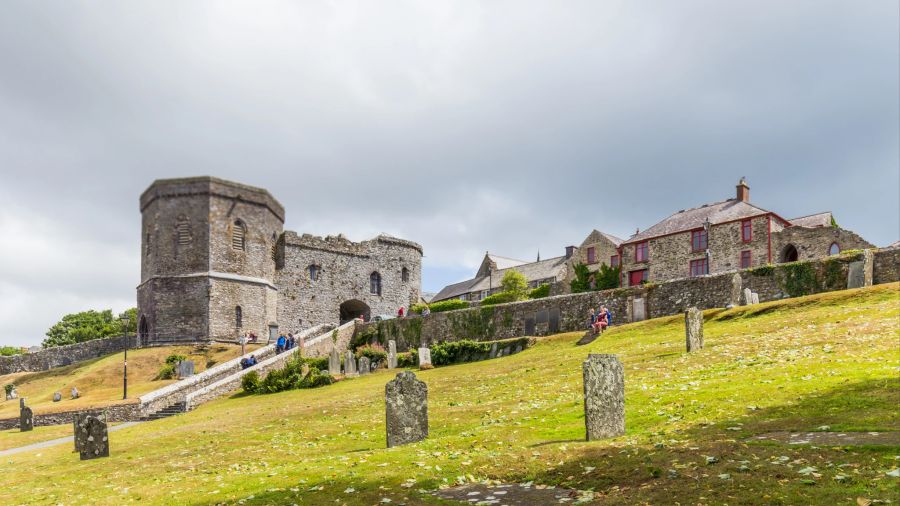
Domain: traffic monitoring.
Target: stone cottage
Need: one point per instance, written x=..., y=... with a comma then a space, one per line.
x=598, y=248
x=729, y=235
x=491, y=272
x=216, y=263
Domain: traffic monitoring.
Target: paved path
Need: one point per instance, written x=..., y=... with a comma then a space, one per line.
x=59, y=441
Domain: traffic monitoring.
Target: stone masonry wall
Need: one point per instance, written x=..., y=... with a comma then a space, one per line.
x=565, y=313
x=345, y=269
x=815, y=242
x=116, y=413
x=175, y=307
x=322, y=345
x=63, y=355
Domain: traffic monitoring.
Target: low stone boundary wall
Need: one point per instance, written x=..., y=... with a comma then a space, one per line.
x=339, y=338
x=233, y=382
x=116, y=413
x=569, y=313
x=64, y=355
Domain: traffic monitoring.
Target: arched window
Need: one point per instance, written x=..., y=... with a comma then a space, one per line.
x=314, y=271
x=834, y=249
x=375, y=283
x=404, y=275
x=183, y=231
x=238, y=234
x=238, y=317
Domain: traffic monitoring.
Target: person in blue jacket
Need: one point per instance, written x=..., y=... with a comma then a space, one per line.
x=279, y=344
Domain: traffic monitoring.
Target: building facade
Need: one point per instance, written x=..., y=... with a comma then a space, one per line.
x=492, y=269
x=216, y=263
x=729, y=235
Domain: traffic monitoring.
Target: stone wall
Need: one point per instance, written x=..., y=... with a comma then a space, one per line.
x=116, y=413
x=336, y=338
x=565, y=313
x=343, y=276
x=63, y=355
x=815, y=242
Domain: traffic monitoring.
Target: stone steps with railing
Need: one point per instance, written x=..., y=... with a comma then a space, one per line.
x=328, y=337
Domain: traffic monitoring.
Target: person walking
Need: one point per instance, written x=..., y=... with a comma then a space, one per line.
x=400, y=312
x=280, y=343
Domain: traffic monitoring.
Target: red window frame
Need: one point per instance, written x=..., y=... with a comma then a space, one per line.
x=699, y=240
x=699, y=267
x=746, y=259
x=746, y=230
x=614, y=261
x=644, y=276
x=591, y=255
x=641, y=252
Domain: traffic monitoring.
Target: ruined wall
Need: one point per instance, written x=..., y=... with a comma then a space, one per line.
x=64, y=355
x=344, y=274
x=566, y=313
x=815, y=242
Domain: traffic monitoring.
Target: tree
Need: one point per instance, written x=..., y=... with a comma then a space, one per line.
x=88, y=325
x=515, y=283
x=605, y=278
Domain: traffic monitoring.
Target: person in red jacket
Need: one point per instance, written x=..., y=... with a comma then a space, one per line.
x=400, y=312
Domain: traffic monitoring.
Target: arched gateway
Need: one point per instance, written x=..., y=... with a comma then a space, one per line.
x=354, y=309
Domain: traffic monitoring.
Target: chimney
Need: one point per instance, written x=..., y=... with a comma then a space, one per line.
x=570, y=251
x=743, y=190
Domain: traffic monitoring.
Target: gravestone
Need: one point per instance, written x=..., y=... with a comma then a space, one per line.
x=542, y=316
x=693, y=329
x=638, y=310
x=736, y=284
x=406, y=400
x=77, y=420
x=75, y=393
x=13, y=394
x=364, y=366
x=22, y=403
x=553, y=326
x=604, y=397
x=57, y=396
x=755, y=297
x=424, y=357
x=334, y=363
x=529, y=326
x=26, y=418
x=856, y=276
x=493, y=353
x=185, y=369
x=747, y=299
x=349, y=364
x=94, y=438
x=392, y=355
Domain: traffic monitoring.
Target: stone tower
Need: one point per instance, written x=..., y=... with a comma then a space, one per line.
x=207, y=261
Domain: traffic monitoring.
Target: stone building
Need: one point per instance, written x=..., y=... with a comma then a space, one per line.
x=598, y=248
x=729, y=235
x=216, y=263
x=493, y=267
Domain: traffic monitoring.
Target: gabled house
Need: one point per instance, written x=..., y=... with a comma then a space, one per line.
x=493, y=267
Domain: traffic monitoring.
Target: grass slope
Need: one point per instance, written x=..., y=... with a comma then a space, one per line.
x=100, y=380
x=829, y=359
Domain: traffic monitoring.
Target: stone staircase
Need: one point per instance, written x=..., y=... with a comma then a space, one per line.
x=171, y=410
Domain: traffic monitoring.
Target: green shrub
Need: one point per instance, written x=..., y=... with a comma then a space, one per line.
x=800, y=279
x=499, y=298
x=174, y=359
x=440, y=307
x=250, y=382
x=604, y=279
x=8, y=351
x=316, y=378
x=455, y=352
x=374, y=352
x=166, y=372
x=516, y=283
x=539, y=292
x=320, y=363
x=9, y=388
x=289, y=377
x=407, y=359
x=765, y=270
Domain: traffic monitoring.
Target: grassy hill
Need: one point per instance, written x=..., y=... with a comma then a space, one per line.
x=799, y=364
x=100, y=381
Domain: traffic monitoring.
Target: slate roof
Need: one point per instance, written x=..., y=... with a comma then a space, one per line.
x=533, y=271
x=505, y=262
x=813, y=220
x=690, y=219
x=596, y=233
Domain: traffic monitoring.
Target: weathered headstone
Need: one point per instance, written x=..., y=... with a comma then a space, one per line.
x=75, y=393
x=77, y=420
x=736, y=284
x=493, y=353
x=94, y=438
x=22, y=403
x=856, y=276
x=604, y=396
x=185, y=369
x=638, y=310
x=349, y=364
x=424, y=358
x=364, y=366
x=748, y=297
x=755, y=297
x=26, y=419
x=334, y=362
x=406, y=400
x=57, y=396
x=392, y=355
x=693, y=329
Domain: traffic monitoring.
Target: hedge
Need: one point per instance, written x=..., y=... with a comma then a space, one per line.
x=539, y=292
x=439, y=307
x=498, y=298
x=290, y=377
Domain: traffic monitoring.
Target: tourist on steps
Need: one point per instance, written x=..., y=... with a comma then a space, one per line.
x=290, y=341
x=279, y=344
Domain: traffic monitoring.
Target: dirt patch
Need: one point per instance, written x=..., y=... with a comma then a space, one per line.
x=832, y=438
x=524, y=494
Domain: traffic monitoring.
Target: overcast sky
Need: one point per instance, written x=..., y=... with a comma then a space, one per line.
x=509, y=126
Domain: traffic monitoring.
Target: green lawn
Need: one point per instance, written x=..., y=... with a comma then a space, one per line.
x=799, y=364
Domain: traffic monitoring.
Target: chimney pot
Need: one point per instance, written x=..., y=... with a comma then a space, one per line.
x=743, y=190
